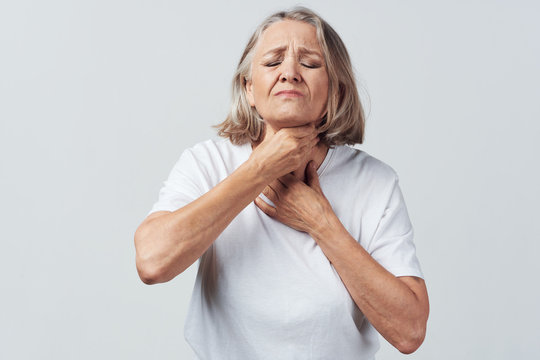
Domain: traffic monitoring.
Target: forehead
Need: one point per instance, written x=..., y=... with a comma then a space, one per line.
x=289, y=32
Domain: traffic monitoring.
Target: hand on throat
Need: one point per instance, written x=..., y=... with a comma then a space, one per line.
x=318, y=153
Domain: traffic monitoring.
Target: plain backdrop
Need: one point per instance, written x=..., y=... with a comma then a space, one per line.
x=99, y=98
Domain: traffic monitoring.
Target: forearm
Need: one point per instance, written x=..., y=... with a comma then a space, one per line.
x=387, y=302
x=169, y=244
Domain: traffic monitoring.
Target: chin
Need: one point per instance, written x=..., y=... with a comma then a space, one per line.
x=288, y=122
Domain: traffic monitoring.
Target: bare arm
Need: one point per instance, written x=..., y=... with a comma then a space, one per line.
x=167, y=243
x=397, y=307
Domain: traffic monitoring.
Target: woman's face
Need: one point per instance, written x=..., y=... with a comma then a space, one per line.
x=289, y=82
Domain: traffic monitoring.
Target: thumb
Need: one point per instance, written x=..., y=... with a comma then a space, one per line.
x=312, y=177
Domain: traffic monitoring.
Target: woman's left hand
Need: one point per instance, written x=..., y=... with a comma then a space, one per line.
x=297, y=204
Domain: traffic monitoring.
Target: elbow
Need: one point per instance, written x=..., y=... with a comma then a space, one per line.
x=409, y=348
x=147, y=270
x=148, y=275
x=155, y=260
x=413, y=342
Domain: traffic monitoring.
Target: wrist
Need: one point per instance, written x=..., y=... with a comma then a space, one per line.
x=258, y=171
x=327, y=226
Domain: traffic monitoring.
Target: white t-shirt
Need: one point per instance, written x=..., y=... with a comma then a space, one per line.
x=266, y=291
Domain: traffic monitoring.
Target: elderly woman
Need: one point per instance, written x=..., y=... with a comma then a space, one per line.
x=304, y=244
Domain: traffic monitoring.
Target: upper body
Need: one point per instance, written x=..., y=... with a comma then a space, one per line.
x=295, y=99
x=271, y=288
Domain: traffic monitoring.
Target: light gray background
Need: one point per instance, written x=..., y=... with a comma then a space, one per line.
x=99, y=98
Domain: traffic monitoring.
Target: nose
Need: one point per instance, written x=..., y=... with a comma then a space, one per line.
x=290, y=71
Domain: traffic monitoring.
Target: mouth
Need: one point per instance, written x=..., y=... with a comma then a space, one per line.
x=289, y=93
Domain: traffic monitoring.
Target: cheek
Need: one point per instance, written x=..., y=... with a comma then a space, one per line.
x=323, y=91
x=262, y=83
x=321, y=84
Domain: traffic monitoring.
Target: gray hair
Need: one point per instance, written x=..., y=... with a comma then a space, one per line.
x=344, y=121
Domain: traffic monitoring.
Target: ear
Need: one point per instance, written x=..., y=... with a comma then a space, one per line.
x=249, y=93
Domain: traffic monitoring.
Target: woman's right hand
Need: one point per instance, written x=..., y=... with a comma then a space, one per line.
x=169, y=242
x=285, y=151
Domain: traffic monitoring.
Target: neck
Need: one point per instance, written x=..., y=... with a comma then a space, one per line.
x=318, y=153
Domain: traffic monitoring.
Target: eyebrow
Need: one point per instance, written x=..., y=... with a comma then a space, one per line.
x=301, y=49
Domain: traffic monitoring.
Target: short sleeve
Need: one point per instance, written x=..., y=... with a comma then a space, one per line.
x=392, y=245
x=182, y=186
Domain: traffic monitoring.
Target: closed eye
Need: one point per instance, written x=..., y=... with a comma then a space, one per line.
x=309, y=66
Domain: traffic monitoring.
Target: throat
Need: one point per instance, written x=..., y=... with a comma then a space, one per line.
x=317, y=155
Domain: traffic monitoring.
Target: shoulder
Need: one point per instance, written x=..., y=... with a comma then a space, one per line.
x=214, y=149
x=216, y=158
x=210, y=145
x=359, y=163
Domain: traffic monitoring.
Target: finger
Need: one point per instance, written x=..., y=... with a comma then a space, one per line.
x=308, y=143
x=312, y=177
x=315, y=141
x=288, y=180
x=277, y=186
x=266, y=208
x=307, y=147
x=300, y=131
x=310, y=137
x=271, y=194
